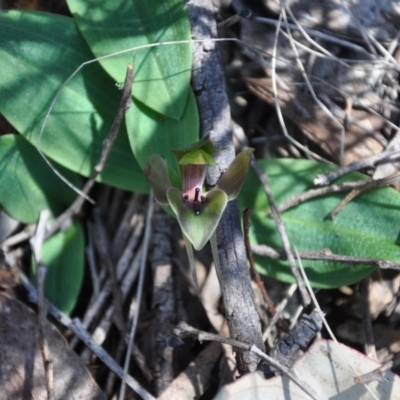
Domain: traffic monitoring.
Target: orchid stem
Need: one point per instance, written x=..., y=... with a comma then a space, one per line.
x=192, y=264
x=214, y=251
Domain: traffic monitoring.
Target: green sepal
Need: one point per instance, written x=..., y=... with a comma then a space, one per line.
x=156, y=172
x=204, y=144
x=197, y=157
x=232, y=180
x=198, y=228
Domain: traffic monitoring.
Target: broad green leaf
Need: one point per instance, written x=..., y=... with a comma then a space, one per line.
x=28, y=185
x=63, y=255
x=367, y=227
x=162, y=74
x=198, y=228
x=150, y=133
x=38, y=53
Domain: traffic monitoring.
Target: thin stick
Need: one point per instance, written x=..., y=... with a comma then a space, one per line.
x=369, y=342
x=278, y=109
x=326, y=255
x=90, y=254
x=326, y=178
x=107, y=146
x=37, y=243
x=282, y=231
x=317, y=306
x=321, y=35
x=184, y=330
x=342, y=187
x=310, y=87
x=139, y=292
x=102, y=243
x=279, y=310
x=76, y=327
x=355, y=192
x=256, y=275
x=246, y=13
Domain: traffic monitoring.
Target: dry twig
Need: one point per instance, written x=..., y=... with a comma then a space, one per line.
x=139, y=292
x=325, y=255
x=37, y=242
x=108, y=142
x=369, y=343
x=208, y=84
x=183, y=330
x=76, y=327
x=282, y=231
x=256, y=275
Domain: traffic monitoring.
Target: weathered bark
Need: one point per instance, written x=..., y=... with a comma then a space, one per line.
x=209, y=87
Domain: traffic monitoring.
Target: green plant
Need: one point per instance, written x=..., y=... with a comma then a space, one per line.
x=366, y=227
x=39, y=53
x=163, y=116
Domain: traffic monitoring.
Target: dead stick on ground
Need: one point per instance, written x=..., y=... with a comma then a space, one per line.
x=256, y=275
x=369, y=343
x=36, y=243
x=369, y=185
x=76, y=327
x=282, y=232
x=325, y=179
x=325, y=255
x=107, y=146
x=184, y=330
x=209, y=87
x=342, y=187
x=139, y=292
x=102, y=243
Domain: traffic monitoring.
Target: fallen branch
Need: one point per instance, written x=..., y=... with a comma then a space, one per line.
x=325, y=255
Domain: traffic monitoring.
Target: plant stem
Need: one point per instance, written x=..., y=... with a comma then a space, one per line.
x=192, y=264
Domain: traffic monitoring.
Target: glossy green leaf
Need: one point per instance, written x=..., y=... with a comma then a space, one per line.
x=198, y=228
x=63, y=255
x=150, y=133
x=232, y=180
x=367, y=227
x=38, y=53
x=28, y=185
x=162, y=74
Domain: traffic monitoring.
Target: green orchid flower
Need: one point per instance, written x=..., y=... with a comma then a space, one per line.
x=198, y=212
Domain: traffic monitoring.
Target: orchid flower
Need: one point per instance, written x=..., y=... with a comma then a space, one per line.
x=198, y=212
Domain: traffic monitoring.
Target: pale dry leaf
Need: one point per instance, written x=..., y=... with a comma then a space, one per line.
x=329, y=368
x=21, y=364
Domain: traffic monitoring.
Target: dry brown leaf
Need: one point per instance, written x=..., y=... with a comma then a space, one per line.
x=331, y=369
x=194, y=381
x=21, y=365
